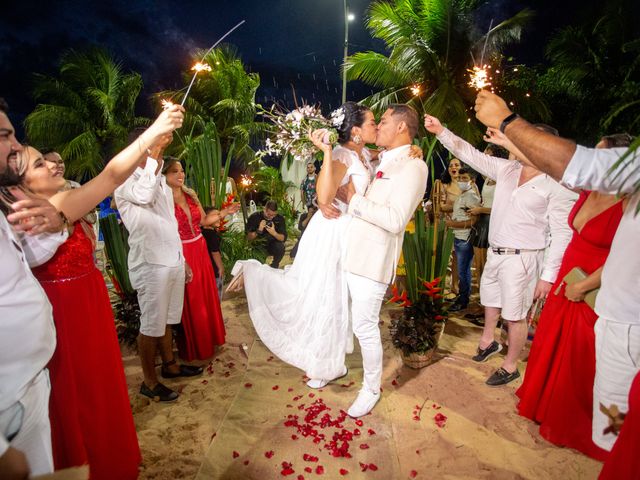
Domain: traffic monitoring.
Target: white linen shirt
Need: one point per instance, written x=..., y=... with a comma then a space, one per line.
x=27, y=332
x=619, y=296
x=145, y=203
x=532, y=216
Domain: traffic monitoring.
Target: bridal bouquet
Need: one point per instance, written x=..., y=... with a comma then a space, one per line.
x=291, y=130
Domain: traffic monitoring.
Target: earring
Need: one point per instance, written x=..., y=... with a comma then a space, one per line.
x=357, y=139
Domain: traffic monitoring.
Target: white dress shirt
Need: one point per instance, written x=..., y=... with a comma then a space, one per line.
x=27, y=332
x=145, y=203
x=619, y=296
x=41, y=248
x=532, y=216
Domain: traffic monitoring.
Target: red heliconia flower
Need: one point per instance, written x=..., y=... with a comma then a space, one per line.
x=440, y=419
x=364, y=446
x=319, y=470
x=394, y=292
x=413, y=474
x=344, y=471
x=235, y=454
x=268, y=454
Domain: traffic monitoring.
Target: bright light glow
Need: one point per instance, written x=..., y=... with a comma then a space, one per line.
x=199, y=67
x=166, y=104
x=351, y=17
x=415, y=90
x=246, y=181
x=479, y=77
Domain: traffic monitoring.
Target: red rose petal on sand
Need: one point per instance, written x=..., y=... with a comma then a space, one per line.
x=311, y=395
x=364, y=446
x=275, y=387
x=440, y=420
x=364, y=467
x=319, y=470
x=246, y=462
x=268, y=454
x=371, y=431
x=394, y=383
x=359, y=423
x=248, y=385
x=344, y=471
x=294, y=437
x=356, y=431
x=416, y=418
x=418, y=452
x=289, y=389
x=300, y=477
x=287, y=471
x=373, y=466
x=308, y=469
x=235, y=454
x=270, y=358
x=413, y=474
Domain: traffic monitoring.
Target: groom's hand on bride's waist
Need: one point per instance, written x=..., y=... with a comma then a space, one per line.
x=329, y=211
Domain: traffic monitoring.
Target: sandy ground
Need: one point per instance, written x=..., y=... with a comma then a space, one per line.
x=230, y=423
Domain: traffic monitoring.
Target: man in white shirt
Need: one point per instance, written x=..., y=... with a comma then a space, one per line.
x=618, y=302
x=156, y=270
x=528, y=207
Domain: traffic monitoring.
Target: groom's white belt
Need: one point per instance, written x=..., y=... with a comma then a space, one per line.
x=511, y=251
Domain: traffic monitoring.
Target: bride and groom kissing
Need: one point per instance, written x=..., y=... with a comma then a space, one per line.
x=307, y=313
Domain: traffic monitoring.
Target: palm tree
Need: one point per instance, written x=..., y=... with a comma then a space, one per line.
x=86, y=112
x=431, y=44
x=225, y=96
x=594, y=73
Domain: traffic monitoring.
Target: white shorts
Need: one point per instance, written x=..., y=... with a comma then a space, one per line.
x=160, y=295
x=509, y=281
x=617, y=363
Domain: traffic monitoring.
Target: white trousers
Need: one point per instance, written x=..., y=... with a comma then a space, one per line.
x=617, y=363
x=366, y=300
x=30, y=418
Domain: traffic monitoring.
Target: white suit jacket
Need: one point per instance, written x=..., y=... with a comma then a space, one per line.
x=374, y=240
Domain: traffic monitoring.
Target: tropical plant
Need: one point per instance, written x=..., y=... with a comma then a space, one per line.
x=431, y=43
x=225, y=95
x=234, y=247
x=594, y=75
x=86, y=112
x=127, y=309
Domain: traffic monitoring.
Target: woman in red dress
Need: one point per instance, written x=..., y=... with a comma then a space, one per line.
x=91, y=420
x=202, y=324
x=557, y=391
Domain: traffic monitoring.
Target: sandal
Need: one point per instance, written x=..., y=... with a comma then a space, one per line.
x=185, y=370
x=159, y=393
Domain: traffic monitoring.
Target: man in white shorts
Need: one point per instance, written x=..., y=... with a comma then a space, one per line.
x=156, y=270
x=618, y=303
x=528, y=208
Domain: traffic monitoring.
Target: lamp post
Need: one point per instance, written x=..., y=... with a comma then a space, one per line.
x=348, y=17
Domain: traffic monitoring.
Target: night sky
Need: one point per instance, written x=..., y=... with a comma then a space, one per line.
x=286, y=42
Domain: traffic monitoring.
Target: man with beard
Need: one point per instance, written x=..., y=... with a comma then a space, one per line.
x=27, y=333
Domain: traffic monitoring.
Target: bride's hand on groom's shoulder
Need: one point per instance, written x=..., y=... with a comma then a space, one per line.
x=317, y=138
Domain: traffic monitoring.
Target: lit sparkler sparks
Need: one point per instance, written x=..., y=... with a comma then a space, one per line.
x=200, y=67
x=479, y=77
x=166, y=104
x=246, y=181
x=416, y=90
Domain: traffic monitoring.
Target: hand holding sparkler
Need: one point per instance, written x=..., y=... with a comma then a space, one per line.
x=491, y=109
x=432, y=124
x=170, y=119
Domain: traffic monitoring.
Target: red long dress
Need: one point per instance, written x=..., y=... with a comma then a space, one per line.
x=557, y=391
x=202, y=324
x=624, y=461
x=91, y=420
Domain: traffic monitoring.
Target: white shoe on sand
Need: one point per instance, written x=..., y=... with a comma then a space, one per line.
x=364, y=403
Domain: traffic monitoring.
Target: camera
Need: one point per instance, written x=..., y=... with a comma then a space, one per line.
x=269, y=223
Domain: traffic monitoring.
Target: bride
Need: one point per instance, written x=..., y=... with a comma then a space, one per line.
x=302, y=313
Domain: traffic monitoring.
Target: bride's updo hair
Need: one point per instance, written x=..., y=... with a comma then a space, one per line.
x=354, y=116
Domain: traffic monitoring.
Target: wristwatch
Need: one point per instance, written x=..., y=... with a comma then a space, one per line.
x=507, y=121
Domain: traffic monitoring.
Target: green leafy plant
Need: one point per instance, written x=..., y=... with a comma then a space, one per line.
x=268, y=180
x=235, y=246
x=127, y=310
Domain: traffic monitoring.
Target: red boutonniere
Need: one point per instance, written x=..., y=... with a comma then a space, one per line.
x=379, y=174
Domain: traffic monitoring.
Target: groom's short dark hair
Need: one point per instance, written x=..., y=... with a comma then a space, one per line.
x=409, y=117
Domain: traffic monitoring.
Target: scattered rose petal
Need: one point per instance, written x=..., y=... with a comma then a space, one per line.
x=300, y=477
x=319, y=470
x=289, y=389
x=359, y=423
x=371, y=431
x=308, y=469
x=235, y=454
x=270, y=358
x=356, y=431
x=275, y=387
x=344, y=471
x=311, y=395
x=373, y=466
x=364, y=446
x=437, y=407
x=248, y=385
x=418, y=452
x=364, y=467
x=268, y=454
x=287, y=469
x=416, y=418
x=204, y=382
x=394, y=383
x=309, y=458
x=413, y=474
x=246, y=462
x=440, y=420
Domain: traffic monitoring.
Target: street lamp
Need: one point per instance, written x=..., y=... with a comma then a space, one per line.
x=348, y=17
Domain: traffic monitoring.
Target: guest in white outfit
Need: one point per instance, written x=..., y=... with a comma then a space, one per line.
x=375, y=236
x=618, y=302
x=157, y=269
x=529, y=209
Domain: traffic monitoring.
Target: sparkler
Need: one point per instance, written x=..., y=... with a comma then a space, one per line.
x=415, y=89
x=479, y=77
x=246, y=181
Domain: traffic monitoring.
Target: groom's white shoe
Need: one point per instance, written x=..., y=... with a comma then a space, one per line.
x=364, y=403
x=321, y=382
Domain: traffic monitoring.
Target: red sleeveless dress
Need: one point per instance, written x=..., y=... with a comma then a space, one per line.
x=202, y=324
x=557, y=391
x=91, y=420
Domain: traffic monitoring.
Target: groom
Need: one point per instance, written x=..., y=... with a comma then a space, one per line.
x=374, y=239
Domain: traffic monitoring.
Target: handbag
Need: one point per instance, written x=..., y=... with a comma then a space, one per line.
x=574, y=276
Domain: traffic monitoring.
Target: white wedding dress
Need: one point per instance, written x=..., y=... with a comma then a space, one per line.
x=301, y=313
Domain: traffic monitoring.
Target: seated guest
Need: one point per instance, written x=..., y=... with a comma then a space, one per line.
x=557, y=389
x=304, y=220
x=270, y=226
x=461, y=223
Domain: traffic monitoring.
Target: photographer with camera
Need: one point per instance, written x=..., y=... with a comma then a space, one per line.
x=271, y=227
